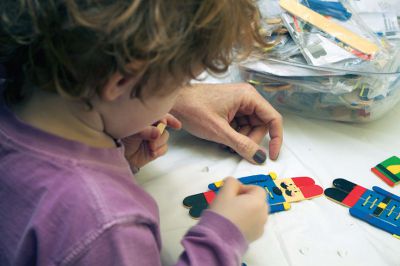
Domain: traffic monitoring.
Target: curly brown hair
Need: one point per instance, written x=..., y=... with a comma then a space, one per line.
x=73, y=46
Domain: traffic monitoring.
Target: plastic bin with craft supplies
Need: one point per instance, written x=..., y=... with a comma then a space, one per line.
x=333, y=60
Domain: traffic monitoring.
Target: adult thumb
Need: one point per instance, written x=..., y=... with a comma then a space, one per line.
x=246, y=147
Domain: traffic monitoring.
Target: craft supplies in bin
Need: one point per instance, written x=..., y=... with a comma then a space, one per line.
x=345, y=72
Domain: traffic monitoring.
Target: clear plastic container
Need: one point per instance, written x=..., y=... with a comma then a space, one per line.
x=335, y=94
x=306, y=73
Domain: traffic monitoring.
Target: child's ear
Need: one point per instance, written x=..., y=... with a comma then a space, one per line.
x=116, y=86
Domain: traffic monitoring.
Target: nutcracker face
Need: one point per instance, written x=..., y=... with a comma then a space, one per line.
x=297, y=188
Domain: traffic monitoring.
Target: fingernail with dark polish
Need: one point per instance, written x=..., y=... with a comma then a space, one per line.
x=260, y=156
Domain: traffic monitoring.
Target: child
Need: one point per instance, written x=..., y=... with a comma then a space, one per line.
x=87, y=81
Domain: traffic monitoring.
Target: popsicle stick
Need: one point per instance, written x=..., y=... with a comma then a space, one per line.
x=161, y=127
x=341, y=33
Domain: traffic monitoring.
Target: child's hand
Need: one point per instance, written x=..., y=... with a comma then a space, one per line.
x=149, y=143
x=243, y=205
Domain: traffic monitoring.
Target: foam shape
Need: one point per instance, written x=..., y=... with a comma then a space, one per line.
x=388, y=170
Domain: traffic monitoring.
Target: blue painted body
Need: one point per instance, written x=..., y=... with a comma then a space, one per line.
x=274, y=200
x=387, y=218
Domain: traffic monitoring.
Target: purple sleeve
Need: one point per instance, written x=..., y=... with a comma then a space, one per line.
x=122, y=245
x=213, y=241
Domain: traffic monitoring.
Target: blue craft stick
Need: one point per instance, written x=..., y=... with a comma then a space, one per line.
x=253, y=179
x=385, y=193
x=277, y=208
x=328, y=8
x=377, y=222
x=213, y=187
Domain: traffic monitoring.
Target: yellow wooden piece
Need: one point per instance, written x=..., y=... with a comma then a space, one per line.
x=277, y=88
x=394, y=169
x=286, y=206
x=273, y=175
x=219, y=184
x=397, y=236
x=341, y=33
x=382, y=205
x=161, y=127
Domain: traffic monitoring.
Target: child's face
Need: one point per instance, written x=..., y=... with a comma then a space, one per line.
x=127, y=115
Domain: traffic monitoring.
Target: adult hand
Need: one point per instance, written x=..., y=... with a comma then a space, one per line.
x=149, y=144
x=235, y=115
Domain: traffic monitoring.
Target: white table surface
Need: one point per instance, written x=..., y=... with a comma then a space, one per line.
x=313, y=232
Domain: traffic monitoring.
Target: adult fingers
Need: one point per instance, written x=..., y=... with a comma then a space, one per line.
x=257, y=133
x=276, y=135
x=270, y=117
x=244, y=146
x=275, y=130
x=245, y=130
x=171, y=121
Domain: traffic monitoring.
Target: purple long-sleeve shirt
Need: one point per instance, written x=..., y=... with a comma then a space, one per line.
x=64, y=203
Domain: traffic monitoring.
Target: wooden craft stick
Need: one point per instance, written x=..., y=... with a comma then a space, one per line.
x=161, y=127
x=341, y=33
